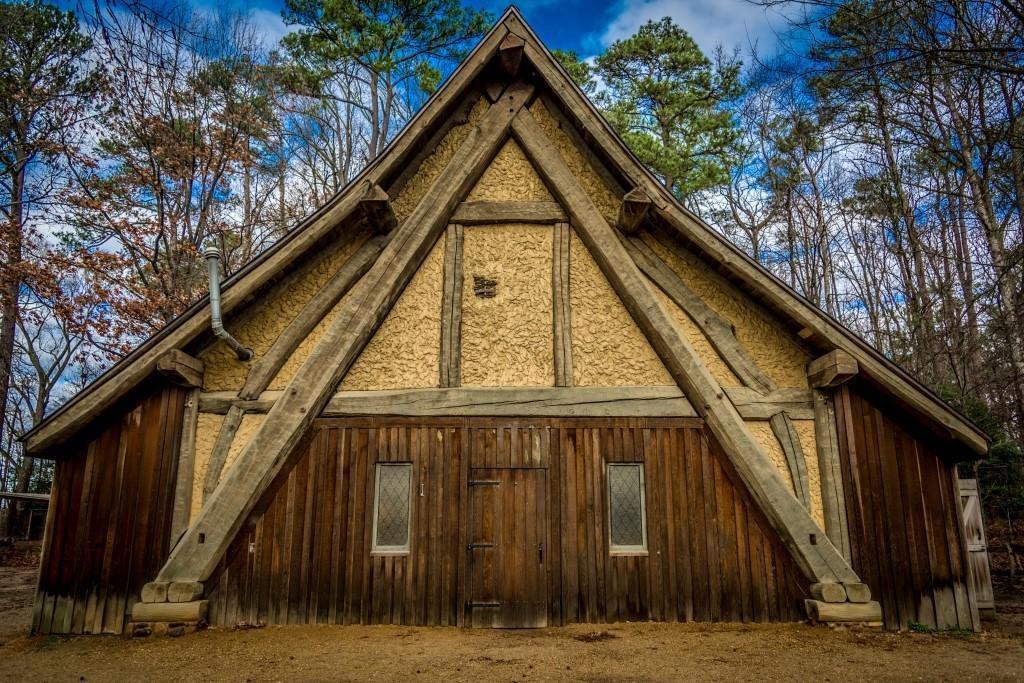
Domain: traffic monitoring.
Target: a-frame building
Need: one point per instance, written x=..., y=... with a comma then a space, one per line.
x=504, y=379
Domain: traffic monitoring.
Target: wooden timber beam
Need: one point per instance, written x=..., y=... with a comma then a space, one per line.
x=633, y=210
x=181, y=368
x=377, y=213
x=814, y=553
x=718, y=331
x=832, y=369
x=783, y=429
x=729, y=258
x=221, y=448
x=511, y=54
x=530, y=402
x=561, y=307
x=182, y=509
x=266, y=367
x=202, y=546
x=488, y=212
x=451, y=309
x=266, y=269
x=833, y=497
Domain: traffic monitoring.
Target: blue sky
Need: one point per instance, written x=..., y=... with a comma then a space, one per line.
x=587, y=27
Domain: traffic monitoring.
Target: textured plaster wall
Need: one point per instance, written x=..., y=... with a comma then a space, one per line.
x=714, y=363
x=405, y=352
x=763, y=434
x=809, y=445
x=432, y=166
x=510, y=178
x=270, y=316
x=773, y=349
x=608, y=349
x=305, y=347
x=246, y=430
x=207, y=428
x=507, y=340
x=603, y=197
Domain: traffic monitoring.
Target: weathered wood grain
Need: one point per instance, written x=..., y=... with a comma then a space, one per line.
x=181, y=368
x=635, y=205
x=561, y=305
x=486, y=212
x=832, y=369
x=820, y=561
x=451, y=309
x=832, y=497
x=785, y=432
x=266, y=367
x=310, y=389
x=219, y=454
x=719, y=332
x=186, y=468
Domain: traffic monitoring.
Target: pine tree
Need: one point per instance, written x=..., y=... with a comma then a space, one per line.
x=666, y=99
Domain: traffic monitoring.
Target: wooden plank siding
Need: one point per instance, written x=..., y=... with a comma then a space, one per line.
x=110, y=522
x=902, y=502
x=303, y=555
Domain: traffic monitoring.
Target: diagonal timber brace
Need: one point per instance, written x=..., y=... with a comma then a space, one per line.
x=202, y=546
x=811, y=549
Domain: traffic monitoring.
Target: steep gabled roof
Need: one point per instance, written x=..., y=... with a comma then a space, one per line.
x=815, y=326
x=260, y=273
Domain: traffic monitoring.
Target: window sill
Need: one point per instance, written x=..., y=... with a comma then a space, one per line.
x=391, y=553
x=628, y=553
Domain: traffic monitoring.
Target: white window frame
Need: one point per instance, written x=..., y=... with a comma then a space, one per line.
x=613, y=548
x=390, y=549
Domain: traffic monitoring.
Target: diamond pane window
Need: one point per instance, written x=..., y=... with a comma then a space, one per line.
x=391, y=505
x=627, y=524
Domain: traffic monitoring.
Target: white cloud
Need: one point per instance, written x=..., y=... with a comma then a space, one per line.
x=270, y=26
x=730, y=23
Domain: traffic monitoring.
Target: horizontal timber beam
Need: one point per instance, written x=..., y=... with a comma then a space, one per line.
x=665, y=401
x=488, y=212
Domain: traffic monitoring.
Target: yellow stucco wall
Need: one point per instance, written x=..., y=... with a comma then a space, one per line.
x=604, y=198
x=684, y=323
x=432, y=166
x=510, y=177
x=268, y=318
x=608, y=349
x=763, y=434
x=208, y=427
x=405, y=353
x=507, y=340
x=774, y=350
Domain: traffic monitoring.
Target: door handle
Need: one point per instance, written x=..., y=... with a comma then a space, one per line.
x=540, y=553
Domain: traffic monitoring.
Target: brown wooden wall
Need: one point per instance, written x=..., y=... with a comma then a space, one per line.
x=303, y=555
x=110, y=515
x=903, y=508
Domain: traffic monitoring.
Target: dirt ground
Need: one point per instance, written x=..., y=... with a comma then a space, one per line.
x=616, y=652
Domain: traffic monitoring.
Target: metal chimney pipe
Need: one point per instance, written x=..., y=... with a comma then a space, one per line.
x=212, y=255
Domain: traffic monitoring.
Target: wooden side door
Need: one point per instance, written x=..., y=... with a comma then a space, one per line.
x=507, y=553
x=974, y=527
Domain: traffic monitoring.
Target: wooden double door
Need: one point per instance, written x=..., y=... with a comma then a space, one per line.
x=507, y=550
